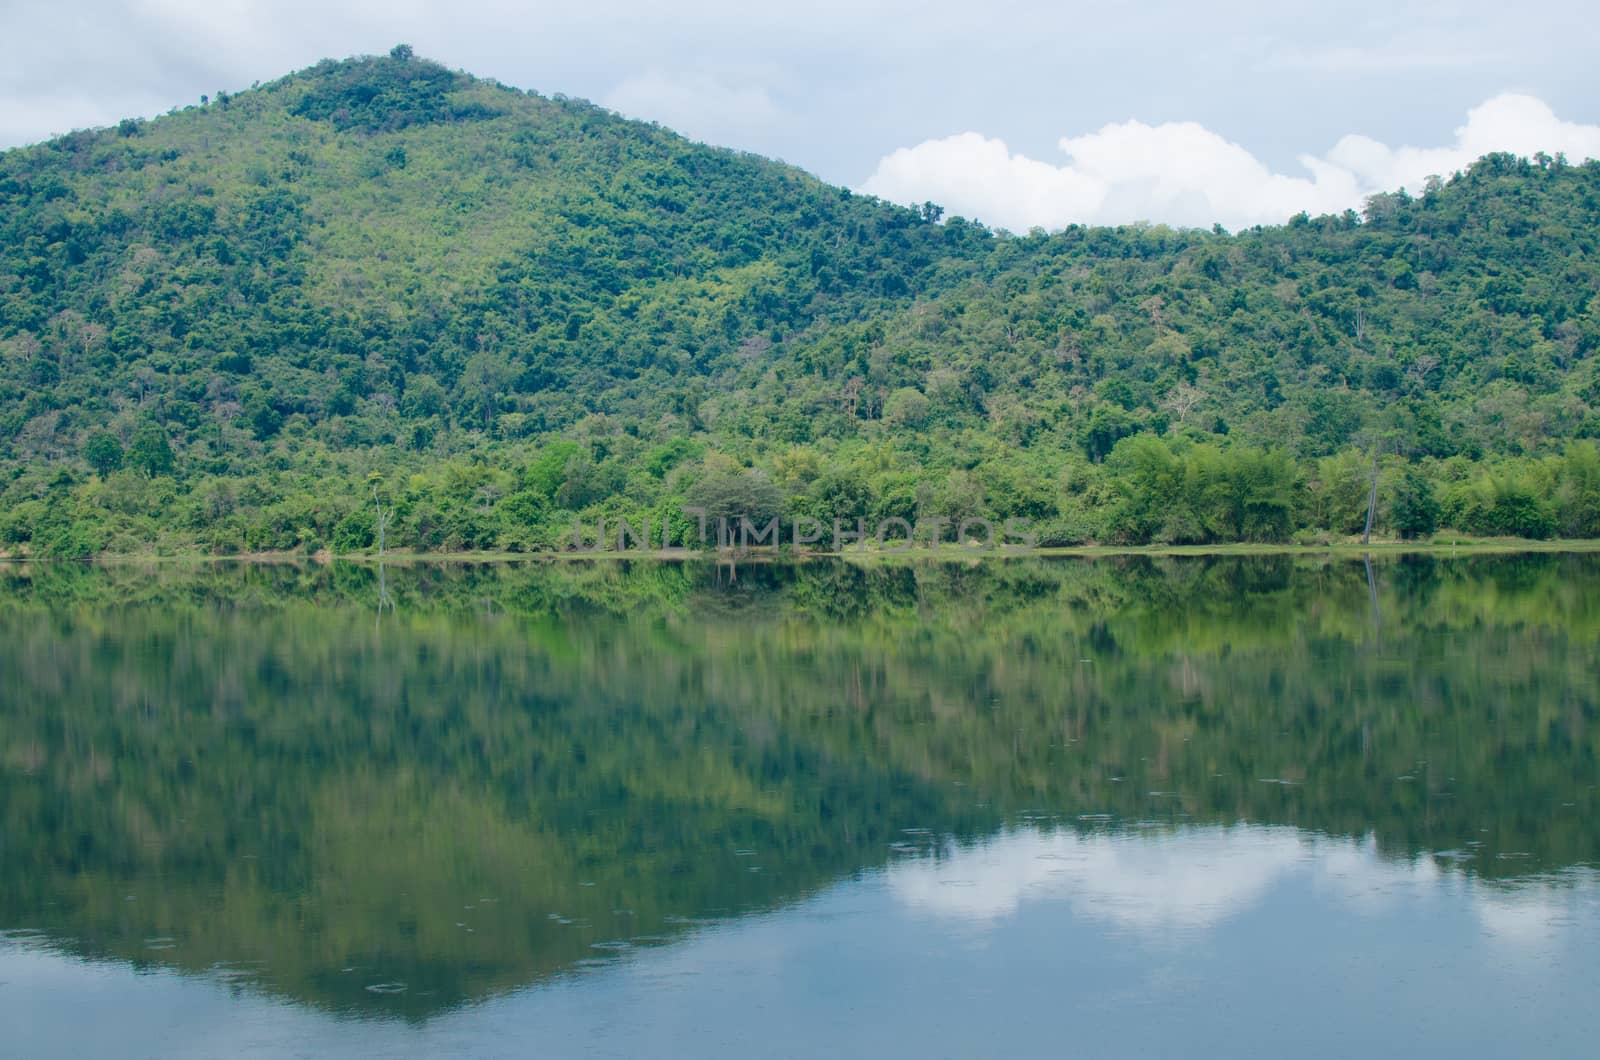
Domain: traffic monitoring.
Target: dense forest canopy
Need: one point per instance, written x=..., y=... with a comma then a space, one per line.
x=220, y=328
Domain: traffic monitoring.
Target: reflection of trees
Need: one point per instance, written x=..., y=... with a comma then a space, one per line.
x=275, y=781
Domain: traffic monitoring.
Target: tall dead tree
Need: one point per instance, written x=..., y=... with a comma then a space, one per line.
x=382, y=517
x=1372, y=498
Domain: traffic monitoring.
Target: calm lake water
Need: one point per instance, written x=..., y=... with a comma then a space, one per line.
x=1110, y=808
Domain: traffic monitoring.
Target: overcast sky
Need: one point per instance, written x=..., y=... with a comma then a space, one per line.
x=1017, y=113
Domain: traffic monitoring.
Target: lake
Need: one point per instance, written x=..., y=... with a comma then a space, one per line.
x=1110, y=807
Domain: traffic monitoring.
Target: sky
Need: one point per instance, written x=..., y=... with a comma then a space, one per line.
x=1017, y=114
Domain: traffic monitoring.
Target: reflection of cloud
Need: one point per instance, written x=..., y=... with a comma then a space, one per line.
x=1528, y=917
x=1190, y=879
x=1154, y=883
x=1185, y=174
x=1357, y=875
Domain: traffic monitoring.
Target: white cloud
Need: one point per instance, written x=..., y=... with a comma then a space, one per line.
x=1182, y=173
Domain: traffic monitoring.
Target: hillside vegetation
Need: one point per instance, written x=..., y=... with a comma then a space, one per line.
x=221, y=329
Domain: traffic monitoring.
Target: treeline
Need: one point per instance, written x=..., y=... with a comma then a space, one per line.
x=1148, y=490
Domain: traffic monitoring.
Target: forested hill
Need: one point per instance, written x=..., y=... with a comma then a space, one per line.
x=217, y=325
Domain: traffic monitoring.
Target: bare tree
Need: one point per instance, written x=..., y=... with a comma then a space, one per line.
x=89, y=336
x=1181, y=400
x=39, y=438
x=67, y=327
x=1153, y=306
x=25, y=346
x=144, y=377
x=1421, y=368
x=851, y=392
x=383, y=516
x=1069, y=349
x=1372, y=499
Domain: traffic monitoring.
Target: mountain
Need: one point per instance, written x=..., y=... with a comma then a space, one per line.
x=219, y=325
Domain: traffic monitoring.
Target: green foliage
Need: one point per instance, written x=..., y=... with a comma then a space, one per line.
x=355, y=531
x=1202, y=494
x=384, y=95
x=1511, y=502
x=150, y=452
x=1414, y=510
x=103, y=452
x=727, y=496
x=380, y=264
x=1578, y=497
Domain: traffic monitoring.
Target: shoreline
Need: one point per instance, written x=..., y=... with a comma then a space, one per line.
x=946, y=553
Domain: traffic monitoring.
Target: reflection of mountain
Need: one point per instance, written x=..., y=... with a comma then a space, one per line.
x=522, y=768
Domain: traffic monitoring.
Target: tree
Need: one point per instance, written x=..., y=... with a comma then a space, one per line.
x=1372, y=500
x=906, y=407
x=1243, y=494
x=1151, y=481
x=1579, y=495
x=382, y=515
x=1414, y=511
x=483, y=380
x=840, y=492
x=401, y=53
x=150, y=452
x=730, y=496
x=25, y=346
x=1181, y=400
x=960, y=496
x=423, y=397
x=1106, y=425
x=103, y=452
x=265, y=419
x=1338, y=493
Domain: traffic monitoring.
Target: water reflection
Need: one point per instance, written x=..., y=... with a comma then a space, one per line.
x=578, y=775
x=1252, y=941
x=1188, y=881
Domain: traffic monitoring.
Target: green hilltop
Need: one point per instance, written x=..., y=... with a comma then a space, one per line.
x=515, y=310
